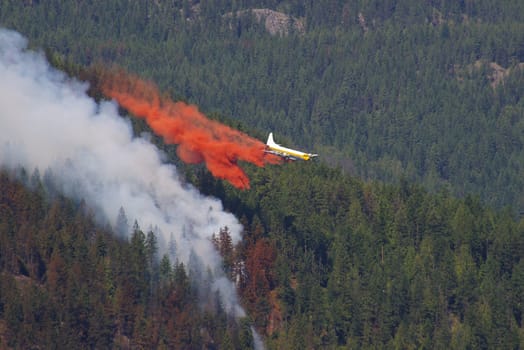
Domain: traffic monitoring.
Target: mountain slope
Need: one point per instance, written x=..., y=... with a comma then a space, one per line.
x=327, y=260
x=397, y=90
x=68, y=283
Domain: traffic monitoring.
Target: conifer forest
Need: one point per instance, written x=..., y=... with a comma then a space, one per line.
x=407, y=232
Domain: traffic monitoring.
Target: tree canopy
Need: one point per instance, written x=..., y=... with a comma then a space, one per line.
x=402, y=237
x=428, y=91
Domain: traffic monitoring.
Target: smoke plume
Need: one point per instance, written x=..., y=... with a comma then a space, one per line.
x=48, y=122
x=199, y=139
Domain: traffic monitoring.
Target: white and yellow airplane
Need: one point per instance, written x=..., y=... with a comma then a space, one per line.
x=286, y=153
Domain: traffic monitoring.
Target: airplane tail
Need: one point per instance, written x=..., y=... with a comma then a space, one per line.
x=270, y=141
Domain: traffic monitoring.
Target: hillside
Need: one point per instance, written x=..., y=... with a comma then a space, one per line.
x=400, y=89
x=328, y=261
x=426, y=97
x=68, y=283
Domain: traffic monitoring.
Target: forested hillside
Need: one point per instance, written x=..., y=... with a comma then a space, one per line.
x=430, y=91
x=67, y=283
x=364, y=265
x=402, y=91
x=327, y=261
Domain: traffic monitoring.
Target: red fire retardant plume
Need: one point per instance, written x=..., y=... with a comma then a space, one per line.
x=199, y=139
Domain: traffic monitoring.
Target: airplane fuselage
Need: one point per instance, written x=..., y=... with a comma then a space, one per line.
x=285, y=152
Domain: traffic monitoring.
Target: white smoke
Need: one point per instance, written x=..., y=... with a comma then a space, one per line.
x=48, y=122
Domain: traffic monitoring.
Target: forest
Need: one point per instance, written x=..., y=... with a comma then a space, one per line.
x=428, y=91
x=407, y=234
x=329, y=262
x=68, y=283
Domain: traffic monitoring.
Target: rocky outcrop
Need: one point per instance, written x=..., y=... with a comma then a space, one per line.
x=276, y=23
x=495, y=73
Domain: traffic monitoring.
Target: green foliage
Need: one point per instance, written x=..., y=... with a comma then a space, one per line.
x=429, y=91
x=66, y=283
x=401, y=91
x=371, y=265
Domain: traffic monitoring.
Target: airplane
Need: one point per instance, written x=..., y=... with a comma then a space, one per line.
x=286, y=153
